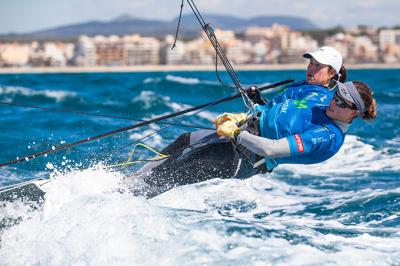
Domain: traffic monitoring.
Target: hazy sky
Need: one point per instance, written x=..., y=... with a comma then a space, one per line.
x=30, y=15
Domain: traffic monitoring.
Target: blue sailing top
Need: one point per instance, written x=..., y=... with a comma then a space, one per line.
x=312, y=136
x=314, y=95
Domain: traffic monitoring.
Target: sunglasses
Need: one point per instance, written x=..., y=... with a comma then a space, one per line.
x=342, y=103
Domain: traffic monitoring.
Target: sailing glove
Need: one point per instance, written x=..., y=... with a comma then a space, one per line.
x=228, y=129
x=235, y=118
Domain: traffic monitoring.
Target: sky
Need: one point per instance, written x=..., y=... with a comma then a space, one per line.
x=22, y=16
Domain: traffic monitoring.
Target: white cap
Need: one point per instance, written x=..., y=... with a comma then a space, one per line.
x=328, y=56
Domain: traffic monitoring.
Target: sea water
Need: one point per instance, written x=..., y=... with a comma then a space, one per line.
x=345, y=211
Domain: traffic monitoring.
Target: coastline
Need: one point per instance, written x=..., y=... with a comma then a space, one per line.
x=175, y=68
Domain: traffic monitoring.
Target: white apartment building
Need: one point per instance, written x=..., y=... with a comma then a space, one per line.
x=139, y=50
x=176, y=55
x=199, y=52
x=86, y=52
x=364, y=50
x=354, y=48
x=14, y=54
x=54, y=54
x=238, y=51
x=340, y=42
x=389, y=45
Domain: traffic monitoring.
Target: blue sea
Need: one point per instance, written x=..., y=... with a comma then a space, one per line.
x=345, y=211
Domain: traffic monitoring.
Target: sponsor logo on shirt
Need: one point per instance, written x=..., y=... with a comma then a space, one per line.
x=285, y=106
x=300, y=103
x=299, y=143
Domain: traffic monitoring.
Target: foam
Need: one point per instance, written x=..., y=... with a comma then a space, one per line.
x=151, y=80
x=58, y=96
x=183, y=80
x=146, y=97
x=191, y=81
x=89, y=219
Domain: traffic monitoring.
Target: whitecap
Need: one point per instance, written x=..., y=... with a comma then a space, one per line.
x=146, y=97
x=54, y=94
x=182, y=80
x=151, y=80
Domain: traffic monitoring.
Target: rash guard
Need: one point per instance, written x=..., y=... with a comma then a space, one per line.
x=312, y=136
x=312, y=95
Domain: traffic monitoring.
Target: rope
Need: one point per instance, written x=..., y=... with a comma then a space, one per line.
x=128, y=162
x=177, y=28
x=219, y=50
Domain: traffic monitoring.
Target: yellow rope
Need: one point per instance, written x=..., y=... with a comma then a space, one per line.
x=129, y=162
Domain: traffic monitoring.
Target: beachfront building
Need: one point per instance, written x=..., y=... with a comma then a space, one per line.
x=55, y=54
x=259, y=52
x=355, y=49
x=176, y=55
x=109, y=50
x=85, y=53
x=364, y=51
x=294, y=44
x=389, y=45
x=266, y=44
x=14, y=54
x=238, y=51
x=199, y=52
x=223, y=36
x=139, y=50
x=340, y=42
x=279, y=43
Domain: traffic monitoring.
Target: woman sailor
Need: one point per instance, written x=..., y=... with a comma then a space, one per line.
x=287, y=132
x=324, y=69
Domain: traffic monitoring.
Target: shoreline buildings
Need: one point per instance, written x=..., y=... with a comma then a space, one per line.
x=277, y=44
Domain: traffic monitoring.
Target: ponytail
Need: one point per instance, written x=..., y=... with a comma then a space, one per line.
x=342, y=78
x=367, y=96
x=343, y=75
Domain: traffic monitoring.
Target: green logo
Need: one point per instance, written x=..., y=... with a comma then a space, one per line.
x=300, y=103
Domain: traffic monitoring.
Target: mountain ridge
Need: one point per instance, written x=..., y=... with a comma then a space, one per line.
x=127, y=24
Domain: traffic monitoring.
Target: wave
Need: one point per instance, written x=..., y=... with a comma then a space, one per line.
x=194, y=81
x=58, y=96
x=205, y=114
x=155, y=141
x=151, y=80
x=217, y=220
x=149, y=100
x=182, y=80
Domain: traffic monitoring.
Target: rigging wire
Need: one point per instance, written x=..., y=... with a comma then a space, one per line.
x=97, y=115
x=208, y=30
x=153, y=134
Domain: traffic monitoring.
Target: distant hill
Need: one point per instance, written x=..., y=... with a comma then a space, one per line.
x=126, y=24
